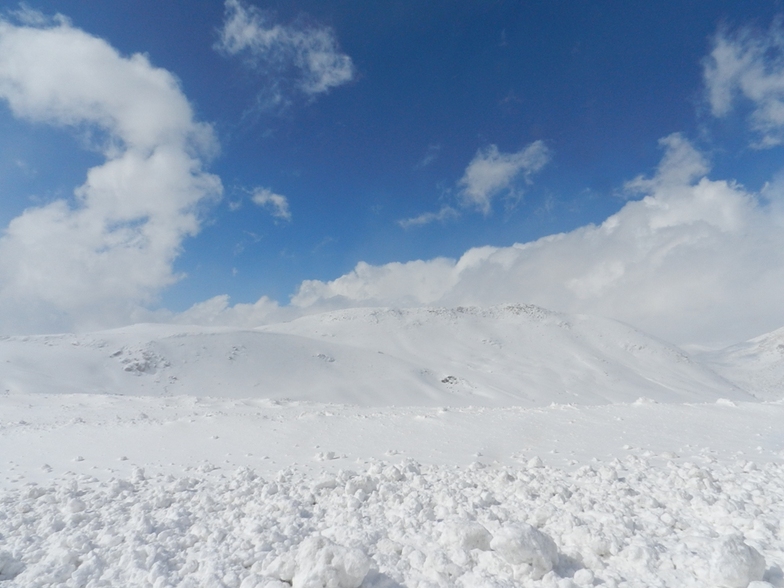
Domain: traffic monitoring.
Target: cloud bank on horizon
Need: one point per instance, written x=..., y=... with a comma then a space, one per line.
x=687, y=258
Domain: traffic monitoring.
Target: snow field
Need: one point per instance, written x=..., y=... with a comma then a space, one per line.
x=613, y=523
x=45, y=436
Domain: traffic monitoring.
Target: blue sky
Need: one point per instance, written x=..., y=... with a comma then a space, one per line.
x=432, y=86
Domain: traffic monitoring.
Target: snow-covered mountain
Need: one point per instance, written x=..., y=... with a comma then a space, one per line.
x=500, y=356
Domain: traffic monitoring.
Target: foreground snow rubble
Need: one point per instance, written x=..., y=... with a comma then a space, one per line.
x=635, y=522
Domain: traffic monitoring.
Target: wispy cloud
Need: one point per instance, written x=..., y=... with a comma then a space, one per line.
x=492, y=172
x=95, y=259
x=29, y=16
x=446, y=213
x=277, y=204
x=304, y=56
x=489, y=174
x=749, y=65
x=429, y=157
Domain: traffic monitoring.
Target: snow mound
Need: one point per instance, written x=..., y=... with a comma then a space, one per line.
x=612, y=523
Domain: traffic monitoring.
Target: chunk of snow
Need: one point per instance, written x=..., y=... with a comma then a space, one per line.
x=734, y=563
x=524, y=544
x=466, y=535
x=320, y=563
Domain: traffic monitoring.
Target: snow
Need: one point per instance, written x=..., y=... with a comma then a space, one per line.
x=757, y=365
x=735, y=563
x=525, y=546
x=502, y=356
x=404, y=523
x=467, y=447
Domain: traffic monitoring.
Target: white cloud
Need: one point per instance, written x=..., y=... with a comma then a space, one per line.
x=217, y=312
x=97, y=258
x=311, y=52
x=749, y=64
x=446, y=213
x=395, y=284
x=680, y=165
x=492, y=172
x=278, y=205
x=489, y=174
x=694, y=261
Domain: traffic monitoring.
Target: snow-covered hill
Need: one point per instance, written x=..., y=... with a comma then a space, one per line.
x=501, y=356
x=520, y=354
x=756, y=365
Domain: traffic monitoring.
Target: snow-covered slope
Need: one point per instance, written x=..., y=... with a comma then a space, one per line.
x=502, y=356
x=756, y=365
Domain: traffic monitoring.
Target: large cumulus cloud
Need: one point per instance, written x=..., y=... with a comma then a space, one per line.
x=99, y=257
